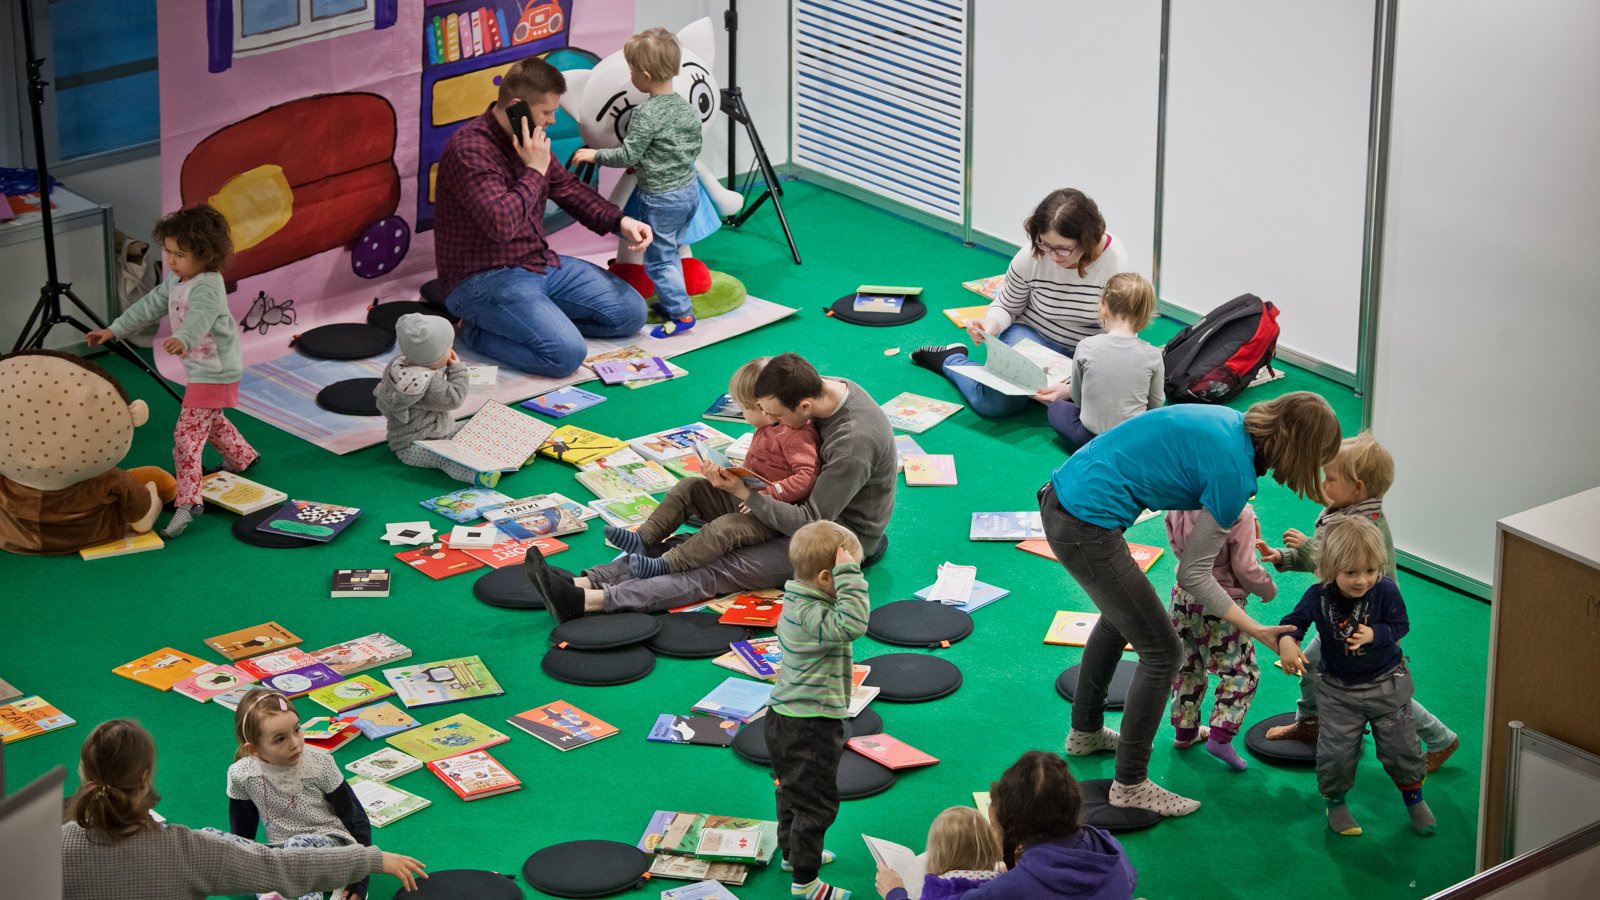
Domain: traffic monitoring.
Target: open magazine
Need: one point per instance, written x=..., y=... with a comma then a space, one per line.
x=1020, y=370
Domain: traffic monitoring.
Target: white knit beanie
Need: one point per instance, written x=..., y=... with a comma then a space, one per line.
x=424, y=339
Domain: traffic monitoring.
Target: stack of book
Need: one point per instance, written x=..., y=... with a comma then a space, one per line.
x=693, y=846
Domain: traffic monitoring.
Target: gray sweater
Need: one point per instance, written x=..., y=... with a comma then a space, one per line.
x=174, y=863
x=419, y=401
x=855, y=485
x=1114, y=378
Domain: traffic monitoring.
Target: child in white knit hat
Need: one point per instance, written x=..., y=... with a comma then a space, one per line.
x=420, y=389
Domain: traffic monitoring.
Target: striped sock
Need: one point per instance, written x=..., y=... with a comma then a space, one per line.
x=818, y=890
x=181, y=519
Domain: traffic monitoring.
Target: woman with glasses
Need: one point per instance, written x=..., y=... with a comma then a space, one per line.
x=1051, y=295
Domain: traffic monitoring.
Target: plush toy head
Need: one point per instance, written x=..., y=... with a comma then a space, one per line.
x=63, y=420
x=603, y=98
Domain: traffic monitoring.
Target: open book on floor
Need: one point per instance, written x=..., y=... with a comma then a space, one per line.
x=385, y=803
x=496, y=438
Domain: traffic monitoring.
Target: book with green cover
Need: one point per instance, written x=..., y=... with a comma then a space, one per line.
x=626, y=511
x=444, y=681
x=385, y=803
x=647, y=477
x=447, y=737
x=357, y=690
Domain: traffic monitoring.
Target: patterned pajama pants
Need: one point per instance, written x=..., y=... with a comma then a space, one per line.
x=423, y=458
x=196, y=428
x=1211, y=645
x=299, y=840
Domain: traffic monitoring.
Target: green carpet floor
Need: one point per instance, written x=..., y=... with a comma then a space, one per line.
x=1260, y=834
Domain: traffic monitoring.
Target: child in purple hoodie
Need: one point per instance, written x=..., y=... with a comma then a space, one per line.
x=963, y=852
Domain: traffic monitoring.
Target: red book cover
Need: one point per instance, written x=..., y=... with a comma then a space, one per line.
x=890, y=752
x=439, y=560
x=1038, y=547
x=1143, y=554
x=475, y=775
x=754, y=611
x=514, y=551
x=492, y=38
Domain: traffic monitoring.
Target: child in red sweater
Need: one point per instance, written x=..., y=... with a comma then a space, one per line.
x=785, y=457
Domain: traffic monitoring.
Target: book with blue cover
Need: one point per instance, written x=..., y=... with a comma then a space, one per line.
x=736, y=698
x=983, y=594
x=465, y=505
x=563, y=402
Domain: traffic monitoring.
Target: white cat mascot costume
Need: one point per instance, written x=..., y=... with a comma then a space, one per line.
x=602, y=100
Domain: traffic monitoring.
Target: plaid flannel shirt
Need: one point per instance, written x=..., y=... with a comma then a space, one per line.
x=489, y=211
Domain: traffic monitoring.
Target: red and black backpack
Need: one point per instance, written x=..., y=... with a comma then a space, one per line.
x=1216, y=358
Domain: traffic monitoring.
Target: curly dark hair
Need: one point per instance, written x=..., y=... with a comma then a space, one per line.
x=200, y=231
x=1036, y=801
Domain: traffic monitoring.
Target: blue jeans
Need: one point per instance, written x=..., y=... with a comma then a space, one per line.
x=668, y=215
x=986, y=401
x=537, y=321
x=1066, y=418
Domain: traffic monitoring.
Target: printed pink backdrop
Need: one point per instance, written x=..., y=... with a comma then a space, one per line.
x=308, y=121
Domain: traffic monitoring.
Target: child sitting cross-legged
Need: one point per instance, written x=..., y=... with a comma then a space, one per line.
x=1353, y=484
x=824, y=609
x=1362, y=677
x=419, y=393
x=1115, y=375
x=783, y=456
x=963, y=853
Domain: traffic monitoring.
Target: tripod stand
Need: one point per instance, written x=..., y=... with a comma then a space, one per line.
x=733, y=105
x=47, y=312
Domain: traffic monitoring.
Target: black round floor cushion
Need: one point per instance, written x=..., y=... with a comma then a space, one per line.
x=1116, y=692
x=350, y=397
x=433, y=293
x=912, y=677
x=387, y=315
x=463, y=884
x=751, y=742
x=868, y=722
x=1098, y=811
x=604, y=632
x=599, y=668
x=844, y=310
x=508, y=588
x=693, y=635
x=1282, y=753
x=861, y=777
x=344, y=340
x=244, y=528
x=586, y=868
x=918, y=623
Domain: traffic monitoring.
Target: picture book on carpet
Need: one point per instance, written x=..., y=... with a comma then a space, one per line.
x=656, y=829
x=531, y=517
x=474, y=776
x=252, y=641
x=687, y=868
x=571, y=444
x=122, y=546
x=889, y=751
x=962, y=316
x=673, y=369
x=277, y=661
x=439, y=560
x=724, y=409
x=1005, y=370
x=445, y=681
x=711, y=456
x=567, y=503
x=302, y=681
x=736, y=698
x=1143, y=554
x=360, y=583
x=740, y=448
x=882, y=298
x=637, y=356
x=916, y=414
x=755, y=609
x=762, y=655
x=930, y=469
x=860, y=696
x=700, y=890
x=232, y=697
x=453, y=736
x=618, y=371
x=1038, y=547
x=674, y=443
x=475, y=537
x=357, y=690
x=329, y=733
x=624, y=457
x=380, y=720
x=213, y=680
x=308, y=519
x=903, y=861
x=483, y=376
x=982, y=594
x=496, y=438
x=30, y=717
x=563, y=402
x=465, y=505
x=627, y=511
x=1071, y=629
x=163, y=668
x=719, y=838
x=562, y=725
x=384, y=765
x=385, y=803
x=514, y=552
x=361, y=654
x=708, y=730
x=1006, y=526
x=905, y=445
x=647, y=477
x=238, y=494
x=988, y=287
x=8, y=691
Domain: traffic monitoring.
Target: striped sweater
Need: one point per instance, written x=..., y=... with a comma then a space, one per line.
x=1303, y=557
x=1058, y=303
x=814, y=632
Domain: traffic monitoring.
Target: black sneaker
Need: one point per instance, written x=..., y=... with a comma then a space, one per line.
x=933, y=356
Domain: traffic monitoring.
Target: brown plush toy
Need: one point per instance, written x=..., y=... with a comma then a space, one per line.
x=65, y=424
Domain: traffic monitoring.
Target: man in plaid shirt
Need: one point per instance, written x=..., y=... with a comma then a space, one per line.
x=520, y=302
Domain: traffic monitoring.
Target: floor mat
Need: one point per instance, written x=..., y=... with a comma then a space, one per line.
x=283, y=392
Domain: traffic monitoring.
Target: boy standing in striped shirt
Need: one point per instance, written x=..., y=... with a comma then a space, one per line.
x=824, y=609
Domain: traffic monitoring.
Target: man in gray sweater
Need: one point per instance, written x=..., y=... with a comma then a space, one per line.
x=855, y=487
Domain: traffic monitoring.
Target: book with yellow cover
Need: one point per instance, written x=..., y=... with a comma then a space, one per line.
x=454, y=736
x=578, y=446
x=357, y=690
x=122, y=546
x=238, y=494
x=252, y=641
x=163, y=668
x=30, y=717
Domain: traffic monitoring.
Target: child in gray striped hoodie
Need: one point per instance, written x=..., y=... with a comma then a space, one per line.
x=419, y=392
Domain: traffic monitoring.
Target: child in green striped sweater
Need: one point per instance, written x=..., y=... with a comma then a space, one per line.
x=824, y=609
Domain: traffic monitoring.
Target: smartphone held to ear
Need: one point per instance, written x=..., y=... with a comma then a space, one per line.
x=521, y=117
